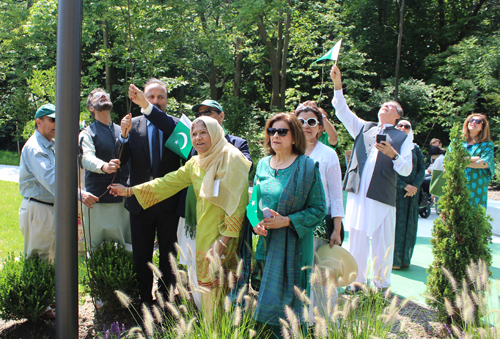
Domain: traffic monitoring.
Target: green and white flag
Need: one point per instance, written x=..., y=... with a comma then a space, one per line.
x=180, y=139
x=254, y=207
x=332, y=54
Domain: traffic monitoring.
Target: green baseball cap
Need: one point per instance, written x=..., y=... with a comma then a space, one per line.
x=209, y=103
x=46, y=110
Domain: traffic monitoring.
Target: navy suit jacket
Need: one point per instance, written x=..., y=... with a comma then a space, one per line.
x=136, y=150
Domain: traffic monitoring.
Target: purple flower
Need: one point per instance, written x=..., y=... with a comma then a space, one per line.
x=447, y=328
x=107, y=334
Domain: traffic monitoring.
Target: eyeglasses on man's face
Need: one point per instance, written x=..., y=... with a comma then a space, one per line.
x=311, y=122
x=206, y=113
x=281, y=131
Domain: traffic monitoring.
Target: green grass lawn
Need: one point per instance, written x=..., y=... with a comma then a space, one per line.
x=9, y=158
x=12, y=239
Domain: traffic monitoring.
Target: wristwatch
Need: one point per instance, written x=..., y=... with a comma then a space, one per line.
x=395, y=157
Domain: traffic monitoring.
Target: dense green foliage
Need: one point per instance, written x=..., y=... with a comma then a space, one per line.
x=461, y=235
x=110, y=267
x=27, y=287
x=255, y=58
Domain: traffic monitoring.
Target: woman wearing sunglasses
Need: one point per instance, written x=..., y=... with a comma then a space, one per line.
x=328, y=134
x=329, y=231
x=407, y=192
x=482, y=165
x=290, y=186
x=219, y=175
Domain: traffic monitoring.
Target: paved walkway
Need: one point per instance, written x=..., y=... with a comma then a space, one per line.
x=9, y=173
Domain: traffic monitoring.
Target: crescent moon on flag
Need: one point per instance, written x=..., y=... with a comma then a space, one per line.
x=185, y=139
x=260, y=205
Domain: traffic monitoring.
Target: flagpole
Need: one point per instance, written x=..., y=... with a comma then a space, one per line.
x=322, y=76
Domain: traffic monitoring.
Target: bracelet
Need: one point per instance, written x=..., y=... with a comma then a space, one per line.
x=222, y=243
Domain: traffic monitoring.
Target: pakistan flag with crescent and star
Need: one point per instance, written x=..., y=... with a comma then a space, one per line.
x=254, y=207
x=180, y=139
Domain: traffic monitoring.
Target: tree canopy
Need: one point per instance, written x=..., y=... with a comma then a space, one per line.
x=255, y=57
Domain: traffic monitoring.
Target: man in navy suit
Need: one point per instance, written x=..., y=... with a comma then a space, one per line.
x=149, y=159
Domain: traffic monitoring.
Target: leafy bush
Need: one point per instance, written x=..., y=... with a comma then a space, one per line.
x=110, y=268
x=460, y=235
x=27, y=287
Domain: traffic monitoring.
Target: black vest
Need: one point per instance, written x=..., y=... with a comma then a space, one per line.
x=383, y=182
x=104, y=139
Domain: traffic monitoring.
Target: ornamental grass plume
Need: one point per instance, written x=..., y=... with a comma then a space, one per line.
x=173, y=310
x=293, y=321
x=158, y=315
x=159, y=299
x=156, y=271
x=147, y=320
x=123, y=298
x=136, y=332
x=180, y=251
x=237, y=316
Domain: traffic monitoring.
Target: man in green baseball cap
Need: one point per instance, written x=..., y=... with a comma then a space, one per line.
x=37, y=183
x=209, y=108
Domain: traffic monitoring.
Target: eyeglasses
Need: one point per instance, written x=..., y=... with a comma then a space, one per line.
x=311, y=122
x=477, y=121
x=281, y=131
x=403, y=126
x=207, y=113
x=98, y=95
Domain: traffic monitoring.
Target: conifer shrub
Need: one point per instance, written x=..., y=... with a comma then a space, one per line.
x=27, y=287
x=111, y=267
x=461, y=235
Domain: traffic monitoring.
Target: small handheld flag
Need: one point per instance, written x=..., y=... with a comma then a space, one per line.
x=180, y=139
x=254, y=210
x=332, y=54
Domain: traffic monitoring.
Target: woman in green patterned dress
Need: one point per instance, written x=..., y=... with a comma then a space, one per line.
x=482, y=165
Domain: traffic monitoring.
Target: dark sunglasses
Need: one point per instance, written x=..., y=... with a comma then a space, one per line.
x=311, y=122
x=207, y=113
x=477, y=121
x=403, y=126
x=281, y=131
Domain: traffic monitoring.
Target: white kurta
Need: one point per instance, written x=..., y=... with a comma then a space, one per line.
x=362, y=213
x=329, y=169
x=366, y=217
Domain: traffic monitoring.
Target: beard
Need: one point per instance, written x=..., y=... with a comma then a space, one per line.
x=103, y=106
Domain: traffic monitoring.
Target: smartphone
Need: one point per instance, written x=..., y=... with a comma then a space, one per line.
x=266, y=212
x=381, y=137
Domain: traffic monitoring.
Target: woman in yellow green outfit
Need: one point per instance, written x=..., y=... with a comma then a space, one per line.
x=219, y=175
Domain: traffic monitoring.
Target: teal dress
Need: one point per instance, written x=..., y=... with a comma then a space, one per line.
x=478, y=179
x=407, y=211
x=296, y=192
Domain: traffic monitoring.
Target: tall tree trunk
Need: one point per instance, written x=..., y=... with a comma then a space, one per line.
x=237, y=68
x=442, y=22
x=213, y=80
x=275, y=68
x=284, y=60
x=107, y=66
x=400, y=40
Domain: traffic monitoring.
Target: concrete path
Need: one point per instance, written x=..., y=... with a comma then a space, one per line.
x=9, y=173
